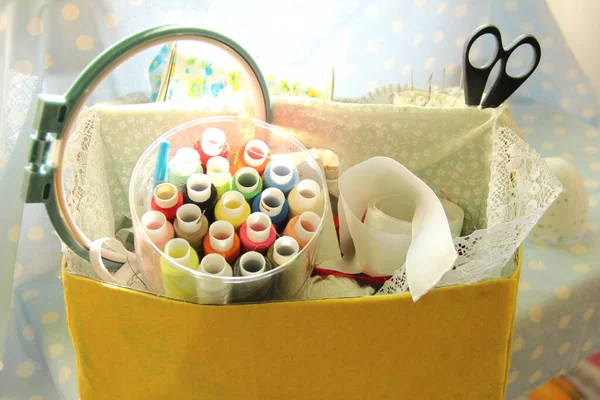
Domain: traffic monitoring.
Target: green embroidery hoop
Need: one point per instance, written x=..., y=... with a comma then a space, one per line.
x=55, y=117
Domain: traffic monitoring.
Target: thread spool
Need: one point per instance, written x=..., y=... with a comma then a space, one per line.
x=303, y=227
x=257, y=233
x=222, y=239
x=185, y=163
x=166, y=199
x=281, y=174
x=200, y=191
x=177, y=283
x=306, y=196
x=273, y=203
x=211, y=290
x=251, y=264
x=232, y=208
x=283, y=250
x=217, y=169
x=255, y=154
x=247, y=181
x=192, y=225
x=212, y=143
x=158, y=229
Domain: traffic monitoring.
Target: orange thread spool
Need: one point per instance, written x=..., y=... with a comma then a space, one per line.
x=254, y=154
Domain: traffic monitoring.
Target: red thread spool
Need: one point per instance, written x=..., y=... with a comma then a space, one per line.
x=255, y=154
x=167, y=199
x=213, y=143
x=223, y=240
x=257, y=233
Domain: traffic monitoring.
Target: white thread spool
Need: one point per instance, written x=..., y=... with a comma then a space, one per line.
x=246, y=179
x=189, y=218
x=213, y=141
x=165, y=195
x=271, y=202
x=198, y=188
x=260, y=156
x=285, y=249
x=252, y=263
x=217, y=169
x=281, y=171
x=307, y=225
x=233, y=204
x=220, y=235
x=155, y=225
x=179, y=246
x=258, y=227
x=211, y=290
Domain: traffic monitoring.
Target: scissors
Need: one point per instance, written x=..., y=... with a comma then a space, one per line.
x=505, y=85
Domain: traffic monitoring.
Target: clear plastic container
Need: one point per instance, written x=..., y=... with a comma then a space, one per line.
x=164, y=275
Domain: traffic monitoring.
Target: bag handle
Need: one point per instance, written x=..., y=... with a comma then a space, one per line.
x=55, y=117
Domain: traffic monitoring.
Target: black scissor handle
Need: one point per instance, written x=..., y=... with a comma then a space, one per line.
x=505, y=85
x=475, y=78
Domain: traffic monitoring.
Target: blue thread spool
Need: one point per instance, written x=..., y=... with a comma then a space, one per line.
x=281, y=174
x=272, y=202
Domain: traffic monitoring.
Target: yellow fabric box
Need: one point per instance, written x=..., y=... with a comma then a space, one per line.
x=454, y=343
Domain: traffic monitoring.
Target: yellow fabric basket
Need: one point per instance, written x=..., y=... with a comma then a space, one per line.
x=454, y=343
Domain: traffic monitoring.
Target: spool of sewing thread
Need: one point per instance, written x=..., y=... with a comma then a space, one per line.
x=247, y=181
x=160, y=168
x=281, y=174
x=158, y=229
x=306, y=196
x=177, y=283
x=232, y=208
x=222, y=239
x=283, y=250
x=217, y=170
x=211, y=289
x=303, y=227
x=213, y=143
x=272, y=202
x=166, y=199
x=185, y=163
x=200, y=191
x=255, y=154
x=251, y=264
x=257, y=233
x=191, y=225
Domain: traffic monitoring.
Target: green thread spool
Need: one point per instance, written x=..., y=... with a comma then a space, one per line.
x=185, y=164
x=248, y=182
x=177, y=283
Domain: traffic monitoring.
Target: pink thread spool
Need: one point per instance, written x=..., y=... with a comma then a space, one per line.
x=158, y=229
x=257, y=233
